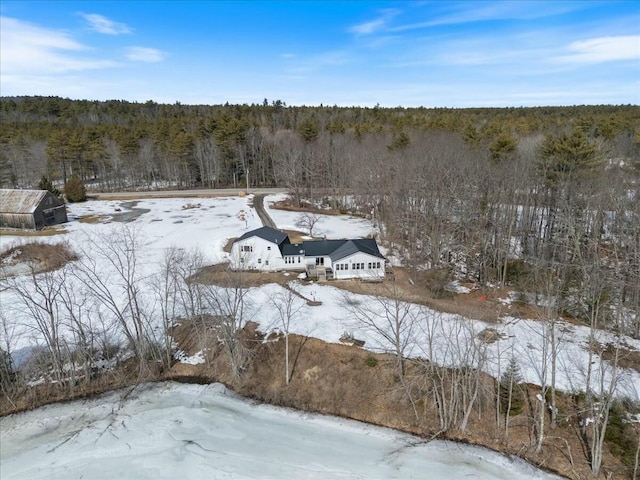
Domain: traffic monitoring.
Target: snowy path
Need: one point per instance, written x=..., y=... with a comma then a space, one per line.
x=171, y=430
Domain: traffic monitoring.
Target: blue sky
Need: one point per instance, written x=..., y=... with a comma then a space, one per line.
x=392, y=53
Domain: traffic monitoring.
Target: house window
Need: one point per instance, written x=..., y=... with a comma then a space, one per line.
x=246, y=248
x=369, y=265
x=268, y=248
x=298, y=259
x=266, y=262
x=259, y=260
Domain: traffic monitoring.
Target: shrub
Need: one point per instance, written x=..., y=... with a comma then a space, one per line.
x=517, y=272
x=74, y=190
x=437, y=279
x=620, y=435
x=371, y=361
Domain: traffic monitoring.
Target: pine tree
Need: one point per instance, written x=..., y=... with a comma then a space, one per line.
x=511, y=389
x=568, y=156
x=309, y=129
x=45, y=184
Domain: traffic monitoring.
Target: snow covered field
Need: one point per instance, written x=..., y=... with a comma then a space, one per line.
x=207, y=224
x=170, y=430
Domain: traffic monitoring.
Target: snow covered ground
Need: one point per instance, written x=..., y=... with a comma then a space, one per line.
x=170, y=430
x=441, y=337
x=330, y=226
x=204, y=223
x=207, y=224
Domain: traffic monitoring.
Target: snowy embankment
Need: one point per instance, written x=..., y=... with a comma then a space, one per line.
x=170, y=430
x=443, y=338
x=207, y=224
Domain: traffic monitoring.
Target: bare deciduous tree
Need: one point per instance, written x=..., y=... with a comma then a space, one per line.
x=289, y=305
x=308, y=221
x=38, y=297
x=117, y=288
x=178, y=293
x=452, y=362
x=389, y=317
x=231, y=306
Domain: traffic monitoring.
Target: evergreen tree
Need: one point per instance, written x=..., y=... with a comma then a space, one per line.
x=567, y=157
x=45, y=184
x=309, y=129
x=511, y=389
x=503, y=148
x=74, y=189
x=400, y=141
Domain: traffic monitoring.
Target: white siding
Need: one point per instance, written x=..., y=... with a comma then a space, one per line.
x=256, y=253
x=297, y=263
x=369, y=267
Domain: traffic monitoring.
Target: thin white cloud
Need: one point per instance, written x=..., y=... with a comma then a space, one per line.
x=288, y=55
x=101, y=24
x=603, y=49
x=145, y=54
x=30, y=49
x=460, y=13
x=375, y=25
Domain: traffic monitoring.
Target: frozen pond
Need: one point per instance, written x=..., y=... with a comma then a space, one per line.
x=170, y=430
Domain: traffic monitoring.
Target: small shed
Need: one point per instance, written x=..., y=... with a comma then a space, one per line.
x=30, y=209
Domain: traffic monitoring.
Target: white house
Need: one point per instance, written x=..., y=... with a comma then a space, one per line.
x=268, y=249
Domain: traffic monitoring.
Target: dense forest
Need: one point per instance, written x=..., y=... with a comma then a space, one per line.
x=542, y=198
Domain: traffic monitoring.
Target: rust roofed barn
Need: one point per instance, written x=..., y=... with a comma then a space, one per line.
x=30, y=209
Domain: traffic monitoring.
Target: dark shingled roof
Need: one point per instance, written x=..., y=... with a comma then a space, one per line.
x=336, y=249
x=349, y=247
x=291, y=249
x=321, y=248
x=268, y=233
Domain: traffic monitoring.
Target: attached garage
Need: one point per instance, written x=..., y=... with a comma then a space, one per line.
x=30, y=209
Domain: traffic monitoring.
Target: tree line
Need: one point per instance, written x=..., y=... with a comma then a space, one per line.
x=116, y=144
